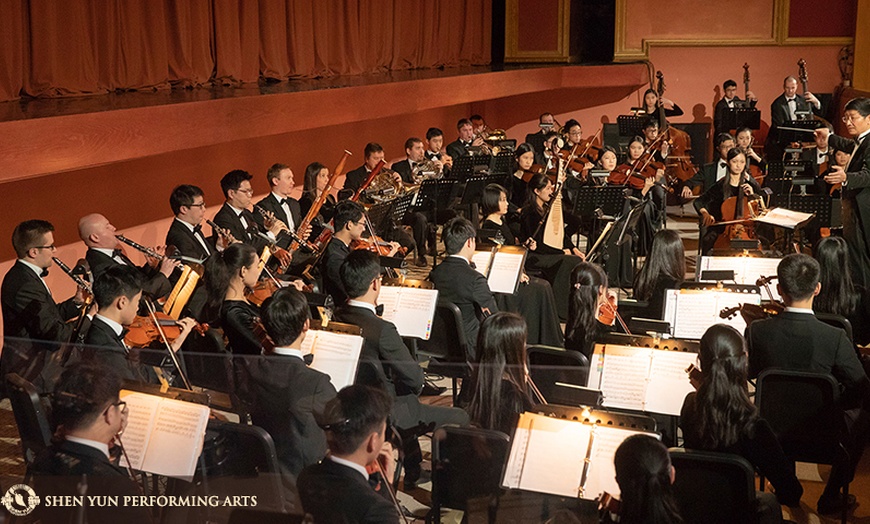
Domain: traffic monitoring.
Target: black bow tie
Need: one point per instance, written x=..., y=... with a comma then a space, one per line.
x=379, y=310
x=473, y=265
x=44, y=273
x=308, y=359
x=790, y=99
x=197, y=229
x=723, y=164
x=117, y=253
x=417, y=164
x=123, y=334
x=285, y=201
x=433, y=156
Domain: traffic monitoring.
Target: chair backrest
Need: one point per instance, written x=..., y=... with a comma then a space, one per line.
x=801, y=408
x=554, y=370
x=713, y=488
x=466, y=463
x=31, y=416
x=447, y=340
x=837, y=321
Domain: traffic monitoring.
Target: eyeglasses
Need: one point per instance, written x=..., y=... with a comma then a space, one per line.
x=51, y=247
x=122, y=406
x=201, y=204
x=245, y=191
x=850, y=118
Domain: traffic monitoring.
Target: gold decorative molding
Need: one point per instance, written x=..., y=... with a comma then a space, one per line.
x=563, y=36
x=779, y=36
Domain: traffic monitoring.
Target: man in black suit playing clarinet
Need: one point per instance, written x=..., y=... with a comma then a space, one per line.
x=33, y=324
x=856, y=185
x=185, y=232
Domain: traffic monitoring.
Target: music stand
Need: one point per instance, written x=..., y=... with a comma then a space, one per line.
x=630, y=125
x=467, y=165
x=432, y=196
x=502, y=163
x=610, y=199
x=822, y=206
x=473, y=192
x=781, y=175
x=381, y=214
x=738, y=117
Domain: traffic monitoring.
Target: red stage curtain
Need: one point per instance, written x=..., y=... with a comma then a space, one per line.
x=79, y=47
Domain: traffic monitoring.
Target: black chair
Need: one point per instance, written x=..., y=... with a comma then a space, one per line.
x=802, y=409
x=447, y=349
x=713, y=488
x=837, y=321
x=555, y=370
x=467, y=463
x=31, y=417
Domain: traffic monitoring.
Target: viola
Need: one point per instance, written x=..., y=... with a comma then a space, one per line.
x=142, y=332
x=635, y=177
x=607, y=503
x=260, y=332
x=266, y=288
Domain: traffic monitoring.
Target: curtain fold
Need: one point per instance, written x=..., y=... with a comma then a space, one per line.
x=81, y=47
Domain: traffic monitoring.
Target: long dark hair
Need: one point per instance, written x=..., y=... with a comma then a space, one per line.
x=643, y=472
x=501, y=345
x=726, y=180
x=723, y=406
x=838, y=295
x=666, y=259
x=536, y=183
x=643, y=99
x=309, y=183
x=220, y=269
x=580, y=330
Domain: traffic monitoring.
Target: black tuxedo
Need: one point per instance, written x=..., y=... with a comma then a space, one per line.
x=705, y=177
x=779, y=112
x=333, y=492
x=104, y=346
x=536, y=140
x=333, y=257
x=58, y=470
x=387, y=363
x=270, y=203
x=353, y=180
x=800, y=341
x=405, y=169
x=185, y=241
x=464, y=286
x=457, y=149
x=226, y=218
x=156, y=284
x=856, y=206
x=719, y=114
x=284, y=394
x=30, y=315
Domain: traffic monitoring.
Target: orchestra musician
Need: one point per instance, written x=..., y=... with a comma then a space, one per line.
x=281, y=204
x=466, y=139
x=796, y=340
x=839, y=159
x=554, y=263
x=117, y=292
x=478, y=124
x=650, y=134
x=589, y=294
x=525, y=157
x=227, y=274
x=354, y=179
x=104, y=251
x=664, y=268
x=87, y=408
x=33, y=324
x=652, y=190
x=721, y=417
x=728, y=101
x=651, y=104
x=185, y=232
x=855, y=180
x=434, y=147
x=386, y=361
x=546, y=122
x=284, y=393
x=315, y=182
x=534, y=300
x=839, y=294
x=744, y=142
x=784, y=108
x=644, y=474
x=339, y=487
x=709, y=174
x=709, y=205
x=500, y=390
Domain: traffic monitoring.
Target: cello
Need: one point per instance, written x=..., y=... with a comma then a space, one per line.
x=678, y=164
x=737, y=213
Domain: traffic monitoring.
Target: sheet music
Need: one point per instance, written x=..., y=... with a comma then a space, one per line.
x=504, y=273
x=481, y=260
x=624, y=377
x=547, y=455
x=410, y=309
x=336, y=354
x=691, y=312
x=747, y=270
x=784, y=217
x=668, y=382
x=602, y=474
x=163, y=436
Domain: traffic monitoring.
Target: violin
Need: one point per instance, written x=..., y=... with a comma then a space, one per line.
x=608, y=313
x=378, y=245
x=142, y=332
x=260, y=332
x=607, y=503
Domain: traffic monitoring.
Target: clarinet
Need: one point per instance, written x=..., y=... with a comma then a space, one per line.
x=78, y=334
x=139, y=247
x=82, y=283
